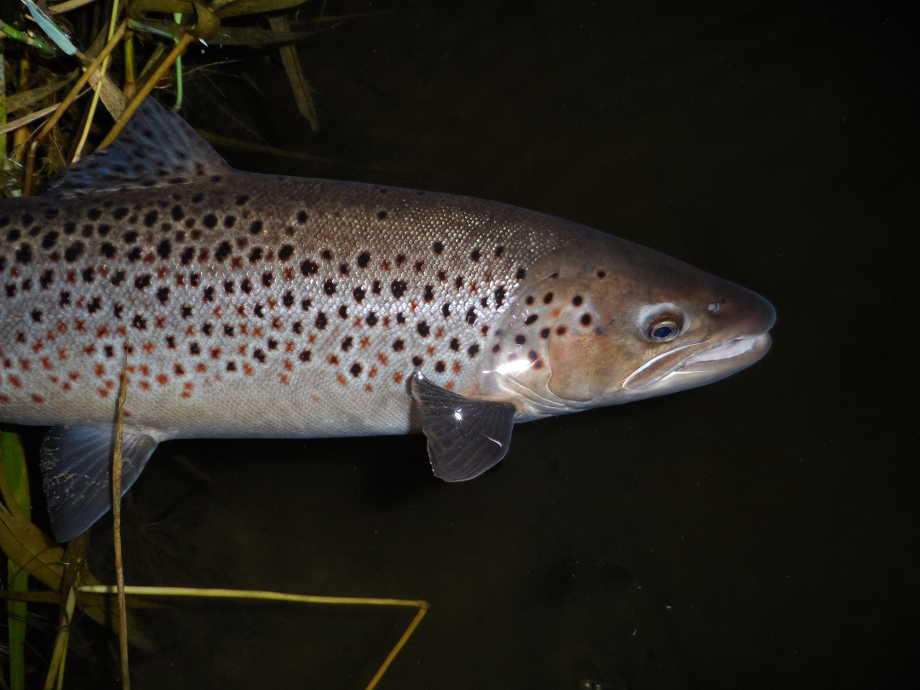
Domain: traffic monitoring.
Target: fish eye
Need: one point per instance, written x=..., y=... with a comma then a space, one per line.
x=664, y=328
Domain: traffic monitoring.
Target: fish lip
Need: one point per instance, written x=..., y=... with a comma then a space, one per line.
x=740, y=352
x=702, y=365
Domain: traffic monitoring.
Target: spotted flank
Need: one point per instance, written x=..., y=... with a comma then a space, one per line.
x=246, y=305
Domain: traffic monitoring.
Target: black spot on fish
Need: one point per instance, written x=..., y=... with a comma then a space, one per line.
x=164, y=248
x=94, y=214
x=472, y=350
x=423, y=329
x=246, y=286
x=437, y=247
x=521, y=274
x=150, y=219
x=329, y=286
x=64, y=298
x=343, y=312
x=417, y=361
x=454, y=344
x=118, y=278
x=308, y=268
x=419, y=265
x=544, y=333
x=398, y=288
x=71, y=254
x=305, y=304
x=130, y=237
x=209, y=294
x=224, y=249
x=577, y=300
x=49, y=240
x=285, y=252
x=194, y=349
x=355, y=369
x=530, y=319
x=347, y=343
x=399, y=344
x=228, y=330
x=139, y=322
x=36, y=315
x=242, y=200
x=364, y=258
x=476, y=254
x=24, y=253
x=429, y=293
x=46, y=279
x=445, y=309
x=520, y=339
x=267, y=279
x=210, y=220
x=89, y=274
x=585, y=319
x=163, y=294
x=302, y=217
x=381, y=215
x=255, y=255
x=471, y=316
x=602, y=274
x=326, y=255
x=371, y=319
x=358, y=294
x=255, y=227
x=229, y=221
x=305, y=355
x=499, y=295
x=288, y=299
x=321, y=321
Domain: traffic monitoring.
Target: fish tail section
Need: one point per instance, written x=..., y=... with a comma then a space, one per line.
x=76, y=463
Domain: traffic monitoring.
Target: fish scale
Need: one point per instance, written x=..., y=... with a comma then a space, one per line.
x=254, y=305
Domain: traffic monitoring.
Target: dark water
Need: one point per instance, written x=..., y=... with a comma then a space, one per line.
x=759, y=533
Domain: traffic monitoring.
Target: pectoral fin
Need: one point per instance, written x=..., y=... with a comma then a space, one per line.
x=466, y=437
x=76, y=469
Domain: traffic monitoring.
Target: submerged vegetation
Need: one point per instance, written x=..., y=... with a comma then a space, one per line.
x=61, y=62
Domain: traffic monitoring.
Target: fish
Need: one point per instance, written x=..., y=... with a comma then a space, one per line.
x=238, y=305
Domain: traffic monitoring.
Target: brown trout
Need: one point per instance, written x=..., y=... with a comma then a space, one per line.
x=247, y=305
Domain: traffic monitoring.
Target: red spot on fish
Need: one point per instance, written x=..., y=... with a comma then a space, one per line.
x=161, y=273
x=14, y=381
x=457, y=367
x=283, y=378
x=372, y=372
x=341, y=379
x=257, y=332
x=99, y=370
x=439, y=333
x=103, y=392
x=66, y=386
x=109, y=383
x=145, y=385
x=102, y=331
x=38, y=346
x=397, y=377
x=364, y=342
x=288, y=365
x=368, y=388
x=383, y=358
x=89, y=349
x=201, y=367
x=162, y=379
x=80, y=327
x=215, y=353
x=73, y=375
x=46, y=363
x=4, y=399
x=121, y=330
x=62, y=327
x=430, y=351
x=247, y=368
x=145, y=370
x=25, y=364
x=160, y=322
x=242, y=350
x=311, y=338
x=147, y=347
x=217, y=312
x=7, y=364
x=449, y=385
x=54, y=379
x=288, y=345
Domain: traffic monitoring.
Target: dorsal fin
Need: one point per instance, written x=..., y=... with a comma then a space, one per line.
x=156, y=148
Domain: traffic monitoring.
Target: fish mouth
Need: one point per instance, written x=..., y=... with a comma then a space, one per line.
x=690, y=365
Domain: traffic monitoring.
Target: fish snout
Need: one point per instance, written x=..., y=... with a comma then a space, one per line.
x=742, y=312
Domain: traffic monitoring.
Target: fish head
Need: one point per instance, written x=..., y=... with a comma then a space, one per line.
x=615, y=322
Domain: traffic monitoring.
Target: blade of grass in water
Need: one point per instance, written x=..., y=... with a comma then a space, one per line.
x=15, y=488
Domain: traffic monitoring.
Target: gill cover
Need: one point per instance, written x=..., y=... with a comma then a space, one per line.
x=556, y=343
